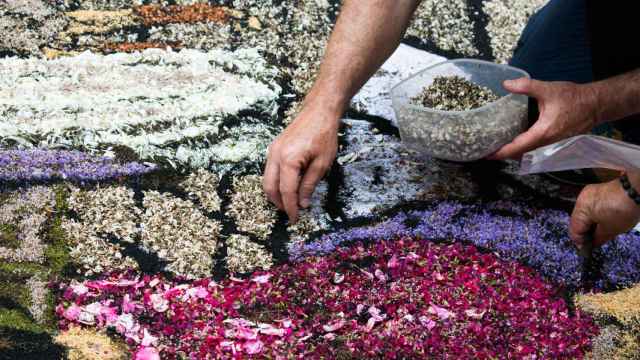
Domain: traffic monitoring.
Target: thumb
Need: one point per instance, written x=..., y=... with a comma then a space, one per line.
x=580, y=226
x=582, y=223
x=524, y=86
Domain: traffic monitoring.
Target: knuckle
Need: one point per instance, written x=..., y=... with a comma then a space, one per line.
x=291, y=164
x=307, y=187
x=287, y=192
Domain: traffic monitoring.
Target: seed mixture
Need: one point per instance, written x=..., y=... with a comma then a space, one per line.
x=465, y=136
x=454, y=93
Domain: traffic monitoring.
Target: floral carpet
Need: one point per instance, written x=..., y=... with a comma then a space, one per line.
x=133, y=222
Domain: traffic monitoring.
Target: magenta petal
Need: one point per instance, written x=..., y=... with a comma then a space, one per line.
x=147, y=353
x=253, y=347
x=331, y=327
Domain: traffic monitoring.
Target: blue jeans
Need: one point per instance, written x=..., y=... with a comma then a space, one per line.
x=582, y=41
x=554, y=45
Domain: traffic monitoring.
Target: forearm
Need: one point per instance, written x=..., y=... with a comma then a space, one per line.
x=366, y=34
x=617, y=97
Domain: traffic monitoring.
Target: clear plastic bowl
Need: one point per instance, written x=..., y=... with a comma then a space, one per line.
x=461, y=135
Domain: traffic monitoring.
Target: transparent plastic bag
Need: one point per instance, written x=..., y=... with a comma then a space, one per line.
x=581, y=152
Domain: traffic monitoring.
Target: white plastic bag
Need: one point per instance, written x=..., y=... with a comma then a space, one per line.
x=581, y=152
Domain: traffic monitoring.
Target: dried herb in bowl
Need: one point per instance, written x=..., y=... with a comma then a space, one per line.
x=454, y=93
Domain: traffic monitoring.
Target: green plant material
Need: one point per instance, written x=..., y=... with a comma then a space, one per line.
x=18, y=319
x=8, y=236
x=33, y=343
x=23, y=269
x=57, y=253
x=12, y=290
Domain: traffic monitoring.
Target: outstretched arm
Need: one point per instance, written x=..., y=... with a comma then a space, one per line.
x=366, y=34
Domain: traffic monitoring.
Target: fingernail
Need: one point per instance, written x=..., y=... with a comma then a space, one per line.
x=305, y=203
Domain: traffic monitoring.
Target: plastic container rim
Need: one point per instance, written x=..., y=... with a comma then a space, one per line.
x=437, y=111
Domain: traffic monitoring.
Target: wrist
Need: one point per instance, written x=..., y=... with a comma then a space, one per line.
x=593, y=95
x=325, y=106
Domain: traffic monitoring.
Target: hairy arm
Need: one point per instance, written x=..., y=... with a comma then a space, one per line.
x=617, y=97
x=366, y=34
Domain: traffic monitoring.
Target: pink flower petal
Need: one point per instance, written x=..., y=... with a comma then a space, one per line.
x=201, y=292
x=475, y=313
x=442, y=313
x=262, y=279
x=253, y=347
x=380, y=275
x=267, y=329
x=393, y=262
x=148, y=339
x=331, y=327
x=147, y=353
x=370, y=324
x=160, y=304
x=329, y=336
x=127, y=305
x=72, y=312
x=125, y=323
x=242, y=332
x=79, y=289
x=426, y=322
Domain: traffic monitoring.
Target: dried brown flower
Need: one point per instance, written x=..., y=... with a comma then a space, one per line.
x=244, y=256
x=250, y=208
x=159, y=15
x=129, y=47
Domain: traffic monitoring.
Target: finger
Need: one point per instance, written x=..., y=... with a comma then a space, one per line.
x=525, y=86
x=602, y=235
x=493, y=156
x=310, y=180
x=271, y=182
x=289, y=181
x=581, y=224
x=527, y=141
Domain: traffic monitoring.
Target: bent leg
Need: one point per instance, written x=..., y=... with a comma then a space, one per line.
x=554, y=45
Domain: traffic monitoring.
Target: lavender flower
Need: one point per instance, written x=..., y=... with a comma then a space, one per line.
x=40, y=165
x=535, y=237
x=621, y=262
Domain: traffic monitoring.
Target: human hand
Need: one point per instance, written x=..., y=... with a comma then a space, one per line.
x=605, y=210
x=566, y=109
x=299, y=158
